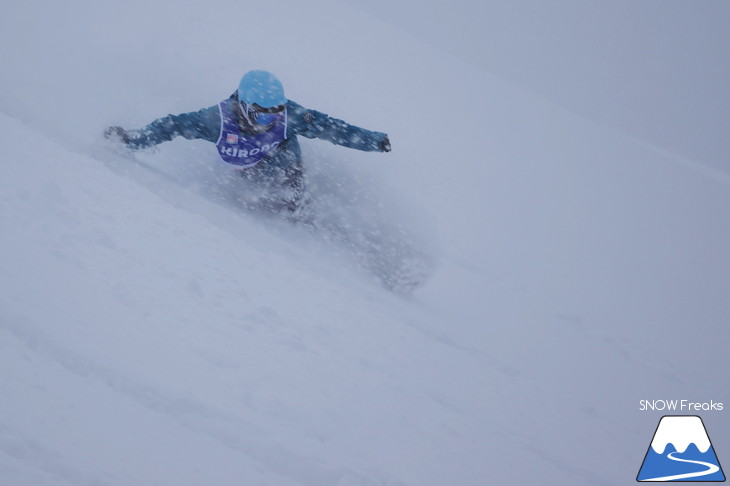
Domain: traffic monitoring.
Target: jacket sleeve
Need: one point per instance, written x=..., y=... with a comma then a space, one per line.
x=204, y=124
x=315, y=124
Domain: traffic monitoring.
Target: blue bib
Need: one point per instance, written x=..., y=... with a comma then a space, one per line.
x=247, y=150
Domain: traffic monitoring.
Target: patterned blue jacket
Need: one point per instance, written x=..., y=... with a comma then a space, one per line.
x=206, y=124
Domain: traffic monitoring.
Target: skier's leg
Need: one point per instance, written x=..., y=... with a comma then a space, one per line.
x=276, y=188
x=293, y=187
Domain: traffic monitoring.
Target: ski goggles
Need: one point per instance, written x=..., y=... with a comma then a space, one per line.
x=260, y=115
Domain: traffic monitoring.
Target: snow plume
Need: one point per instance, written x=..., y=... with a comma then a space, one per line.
x=385, y=236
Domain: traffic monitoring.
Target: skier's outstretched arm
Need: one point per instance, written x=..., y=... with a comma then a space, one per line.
x=203, y=124
x=315, y=124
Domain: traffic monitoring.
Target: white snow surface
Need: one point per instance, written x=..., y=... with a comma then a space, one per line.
x=153, y=331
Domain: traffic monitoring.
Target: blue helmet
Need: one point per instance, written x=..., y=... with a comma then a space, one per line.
x=261, y=88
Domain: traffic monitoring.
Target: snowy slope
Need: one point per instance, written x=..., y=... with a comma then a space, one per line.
x=656, y=68
x=153, y=332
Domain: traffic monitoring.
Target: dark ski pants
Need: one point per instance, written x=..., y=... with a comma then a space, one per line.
x=284, y=185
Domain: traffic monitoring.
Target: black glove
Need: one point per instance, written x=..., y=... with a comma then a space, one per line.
x=117, y=134
x=385, y=144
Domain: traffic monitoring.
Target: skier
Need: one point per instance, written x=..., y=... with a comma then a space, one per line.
x=255, y=129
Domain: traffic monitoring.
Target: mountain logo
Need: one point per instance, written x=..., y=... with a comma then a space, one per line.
x=681, y=451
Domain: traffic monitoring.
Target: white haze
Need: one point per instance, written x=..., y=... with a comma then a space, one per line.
x=657, y=70
x=153, y=331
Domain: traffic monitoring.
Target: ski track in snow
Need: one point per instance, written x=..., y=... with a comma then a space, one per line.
x=227, y=430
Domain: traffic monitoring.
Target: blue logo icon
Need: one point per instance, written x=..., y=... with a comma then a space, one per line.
x=681, y=451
